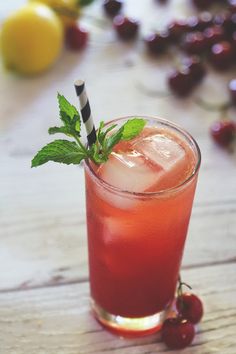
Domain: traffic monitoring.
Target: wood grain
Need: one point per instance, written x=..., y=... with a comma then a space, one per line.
x=57, y=319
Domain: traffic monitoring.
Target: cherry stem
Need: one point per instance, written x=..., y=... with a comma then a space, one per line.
x=222, y=107
x=180, y=292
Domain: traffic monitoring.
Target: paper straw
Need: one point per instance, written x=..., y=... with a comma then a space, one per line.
x=85, y=111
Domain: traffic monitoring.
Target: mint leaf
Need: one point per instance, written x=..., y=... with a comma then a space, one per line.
x=66, y=107
x=101, y=135
x=63, y=151
x=62, y=130
x=69, y=114
x=69, y=152
x=132, y=128
x=97, y=155
x=114, y=139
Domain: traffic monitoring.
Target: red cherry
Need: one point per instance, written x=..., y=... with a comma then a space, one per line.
x=233, y=42
x=194, y=43
x=125, y=27
x=232, y=90
x=76, y=37
x=232, y=5
x=190, y=307
x=230, y=24
x=222, y=55
x=223, y=132
x=157, y=43
x=205, y=20
x=201, y=22
x=219, y=19
x=177, y=28
x=202, y=4
x=112, y=7
x=192, y=23
x=180, y=82
x=197, y=69
x=177, y=333
x=214, y=34
x=231, y=2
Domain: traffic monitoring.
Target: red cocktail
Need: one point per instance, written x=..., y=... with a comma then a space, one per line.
x=138, y=210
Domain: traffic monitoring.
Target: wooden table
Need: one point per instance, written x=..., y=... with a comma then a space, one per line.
x=44, y=291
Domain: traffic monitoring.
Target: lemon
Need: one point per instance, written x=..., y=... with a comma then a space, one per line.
x=31, y=39
x=67, y=10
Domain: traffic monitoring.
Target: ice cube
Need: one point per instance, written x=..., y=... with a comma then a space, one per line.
x=161, y=150
x=130, y=171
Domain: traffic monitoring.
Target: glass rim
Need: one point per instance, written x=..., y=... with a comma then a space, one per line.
x=163, y=191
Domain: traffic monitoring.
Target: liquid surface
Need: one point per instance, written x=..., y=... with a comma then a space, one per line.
x=157, y=159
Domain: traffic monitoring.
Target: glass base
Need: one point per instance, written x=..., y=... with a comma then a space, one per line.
x=125, y=326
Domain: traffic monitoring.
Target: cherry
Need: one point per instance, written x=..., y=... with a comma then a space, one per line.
x=232, y=5
x=223, y=132
x=197, y=70
x=201, y=22
x=232, y=90
x=192, y=23
x=157, y=43
x=112, y=7
x=205, y=19
x=190, y=307
x=125, y=27
x=220, y=19
x=177, y=29
x=214, y=35
x=76, y=37
x=230, y=24
x=233, y=41
x=180, y=82
x=202, y=4
x=194, y=43
x=222, y=55
x=177, y=333
x=231, y=2
x=233, y=9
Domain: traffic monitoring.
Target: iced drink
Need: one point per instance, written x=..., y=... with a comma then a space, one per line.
x=138, y=210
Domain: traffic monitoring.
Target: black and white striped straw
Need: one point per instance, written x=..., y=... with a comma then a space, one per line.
x=85, y=111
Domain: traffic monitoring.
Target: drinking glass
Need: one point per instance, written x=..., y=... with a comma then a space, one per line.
x=136, y=241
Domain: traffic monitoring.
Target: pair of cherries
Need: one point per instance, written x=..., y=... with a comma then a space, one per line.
x=178, y=332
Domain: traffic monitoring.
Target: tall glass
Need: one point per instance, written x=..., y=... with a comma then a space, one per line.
x=136, y=242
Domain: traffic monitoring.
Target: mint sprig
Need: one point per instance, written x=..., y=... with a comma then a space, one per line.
x=73, y=152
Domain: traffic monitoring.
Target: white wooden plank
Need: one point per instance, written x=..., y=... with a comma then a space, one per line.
x=57, y=320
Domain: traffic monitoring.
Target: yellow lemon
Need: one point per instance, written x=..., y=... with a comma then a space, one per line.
x=67, y=10
x=31, y=39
